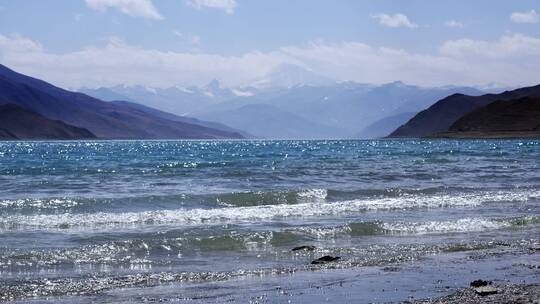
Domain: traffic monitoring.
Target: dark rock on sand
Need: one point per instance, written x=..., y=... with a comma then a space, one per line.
x=325, y=259
x=485, y=290
x=391, y=269
x=479, y=283
x=306, y=248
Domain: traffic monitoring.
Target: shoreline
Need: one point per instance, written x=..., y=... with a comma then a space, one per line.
x=434, y=278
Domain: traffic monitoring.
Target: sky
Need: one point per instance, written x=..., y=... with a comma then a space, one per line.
x=163, y=43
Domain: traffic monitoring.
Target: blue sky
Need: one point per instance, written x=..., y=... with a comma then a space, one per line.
x=108, y=42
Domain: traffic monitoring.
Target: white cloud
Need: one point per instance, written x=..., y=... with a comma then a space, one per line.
x=364, y=63
x=507, y=46
x=119, y=63
x=396, y=20
x=454, y=23
x=17, y=43
x=133, y=8
x=513, y=60
x=227, y=6
x=526, y=17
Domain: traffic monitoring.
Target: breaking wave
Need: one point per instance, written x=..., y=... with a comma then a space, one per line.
x=312, y=208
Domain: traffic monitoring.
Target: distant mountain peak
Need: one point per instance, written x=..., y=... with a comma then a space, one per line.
x=213, y=85
x=397, y=83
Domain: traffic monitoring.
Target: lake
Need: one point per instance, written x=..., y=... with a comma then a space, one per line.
x=215, y=221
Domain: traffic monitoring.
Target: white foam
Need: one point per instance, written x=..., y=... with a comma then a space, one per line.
x=461, y=225
x=313, y=208
x=324, y=232
x=313, y=194
x=39, y=203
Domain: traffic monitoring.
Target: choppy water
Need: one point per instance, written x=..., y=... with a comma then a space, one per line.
x=84, y=218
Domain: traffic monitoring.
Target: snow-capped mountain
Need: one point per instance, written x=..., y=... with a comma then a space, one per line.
x=329, y=109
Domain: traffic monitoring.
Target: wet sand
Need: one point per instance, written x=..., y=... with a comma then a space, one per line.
x=506, y=293
x=437, y=278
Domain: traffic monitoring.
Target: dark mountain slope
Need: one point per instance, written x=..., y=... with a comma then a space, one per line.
x=503, y=118
x=19, y=123
x=6, y=135
x=104, y=119
x=440, y=116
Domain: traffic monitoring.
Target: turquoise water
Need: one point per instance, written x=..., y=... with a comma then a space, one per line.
x=88, y=218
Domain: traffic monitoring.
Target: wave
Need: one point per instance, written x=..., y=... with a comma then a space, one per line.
x=464, y=225
x=173, y=201
x=259, y=198
x=167, y=201
x=334, y=194
x=250, y=214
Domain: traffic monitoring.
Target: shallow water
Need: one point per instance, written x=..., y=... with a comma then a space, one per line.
x=88, y=219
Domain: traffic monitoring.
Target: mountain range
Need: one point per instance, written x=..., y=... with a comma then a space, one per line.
x=185, y=100
x=319, y=108
x=324, y=109
x=102, y=119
